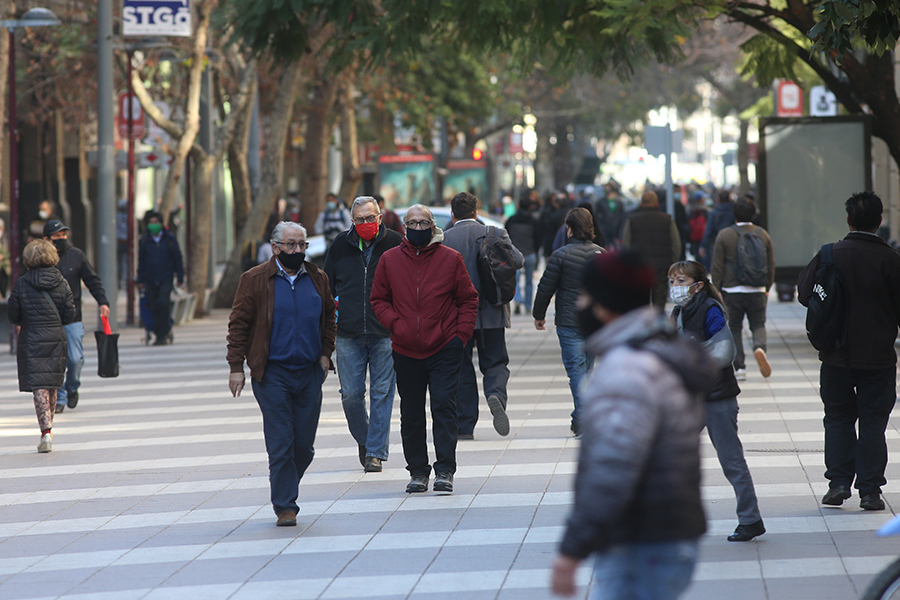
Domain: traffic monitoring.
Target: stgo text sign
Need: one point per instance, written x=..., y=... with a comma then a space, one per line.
x=156, y=17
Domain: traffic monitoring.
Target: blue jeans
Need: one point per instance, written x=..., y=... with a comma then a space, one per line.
x=577, y=364
x=290, y=399
x=75, y=361
x=644, y=571
x=530, y=264
x=352, y=355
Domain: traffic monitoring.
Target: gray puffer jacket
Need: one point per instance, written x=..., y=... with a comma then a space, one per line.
x=563, y=278
x=642, y=413
x=42, y=348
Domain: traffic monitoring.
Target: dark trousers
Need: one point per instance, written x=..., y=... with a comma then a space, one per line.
x=492, y=361
x=754, y=306
x=438, y=375
x=290, y=399
x=160, y=305
x=851, y=395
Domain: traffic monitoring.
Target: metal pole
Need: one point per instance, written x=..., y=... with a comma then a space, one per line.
x=129, y=312
x=14, y=179
x=670, y=200
x=106, y=160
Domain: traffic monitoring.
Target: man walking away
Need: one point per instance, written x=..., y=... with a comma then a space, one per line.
x=858, y=377
x=333, y=220
x=465, y=237
x=282, y=324
x=75, y=268
x=525, y=235
x=637, y=489
x=362, y=342
x=654, y=234
x=423, y=295
x=743, y=267
x=159, y=261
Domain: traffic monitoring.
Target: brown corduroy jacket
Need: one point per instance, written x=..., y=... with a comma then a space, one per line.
x=250, y=323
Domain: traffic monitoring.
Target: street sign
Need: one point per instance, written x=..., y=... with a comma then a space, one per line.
x=822, y=102
x=156, y=17
x=146, y=160
x=789, y=99
x=137, y=115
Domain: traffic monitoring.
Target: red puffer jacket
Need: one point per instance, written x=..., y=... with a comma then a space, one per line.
x=424, y=297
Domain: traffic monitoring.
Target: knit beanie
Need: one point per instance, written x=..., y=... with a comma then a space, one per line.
x=620, y=281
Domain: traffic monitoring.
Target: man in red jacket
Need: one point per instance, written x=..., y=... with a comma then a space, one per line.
x=423, y=295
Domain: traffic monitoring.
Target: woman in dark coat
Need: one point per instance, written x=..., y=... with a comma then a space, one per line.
x=40, y=304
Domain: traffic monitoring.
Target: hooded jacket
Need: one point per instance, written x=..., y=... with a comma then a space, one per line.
x=424, y=297
x=42, y=348
x=351, y=276
x=638, y=476
x=159, y=261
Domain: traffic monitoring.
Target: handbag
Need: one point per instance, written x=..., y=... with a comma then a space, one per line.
x=107, y=350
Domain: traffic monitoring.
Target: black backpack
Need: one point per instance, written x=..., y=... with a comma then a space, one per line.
x=826, y=321
x=496, y=268
x=751, y=266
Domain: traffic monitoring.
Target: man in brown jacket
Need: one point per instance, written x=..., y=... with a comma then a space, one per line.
x=655, y=235
x=282, y=322
x=744, y=297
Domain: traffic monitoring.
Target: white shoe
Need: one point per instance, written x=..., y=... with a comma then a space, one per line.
x=46, y=444
x=740, y=374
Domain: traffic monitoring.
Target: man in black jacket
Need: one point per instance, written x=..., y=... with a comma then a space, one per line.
x=858, y=381
x=74, y=266
x=525, y=234
x=654, y=233
x=361, y=340
x=159, y=261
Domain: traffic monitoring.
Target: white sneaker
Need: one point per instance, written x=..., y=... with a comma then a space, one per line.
x=740, y=374
x=46, y=444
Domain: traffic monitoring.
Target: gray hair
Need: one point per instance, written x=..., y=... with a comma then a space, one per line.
x=360, y=200
x=278, y=231
x=422, y=207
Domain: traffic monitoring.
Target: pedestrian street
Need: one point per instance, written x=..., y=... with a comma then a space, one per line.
x=157, y=488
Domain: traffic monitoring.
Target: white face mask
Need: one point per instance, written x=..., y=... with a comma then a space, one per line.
x=44, y=215
x=680, y=294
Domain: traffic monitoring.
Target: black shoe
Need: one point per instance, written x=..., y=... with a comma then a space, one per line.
x=745, y=533
x=836, y=495
x=501, y=421
x=417, y=483
x=170, y=338
x=72, y=400
x=362, y=455
x=871, y=502
x=160, y=342
x=465, y=436
x=518, y=309
x=60, y=408
x=372, y=465
x=443, y=482
x=575, y=428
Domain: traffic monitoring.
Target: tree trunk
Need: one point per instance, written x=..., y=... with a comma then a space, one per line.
x=201, y=227
x=239, y=167
x=191, y=113
x=743, y=158
x=351, y=175
x=543, y=162
x=314, y=164
x=270, y=183
x=7, y=10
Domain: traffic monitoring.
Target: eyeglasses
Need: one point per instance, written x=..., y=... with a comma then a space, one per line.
x=419, y=224
x=369, y=219
x=292, y=246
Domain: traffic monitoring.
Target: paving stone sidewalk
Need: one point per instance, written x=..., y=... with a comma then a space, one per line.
x=157, y=488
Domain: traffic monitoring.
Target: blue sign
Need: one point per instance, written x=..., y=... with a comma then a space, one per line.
x=156, y=17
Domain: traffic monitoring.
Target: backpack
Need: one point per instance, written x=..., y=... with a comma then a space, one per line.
x=826, y=322
x=496, y=268
x=751, y=266
x=697, y=225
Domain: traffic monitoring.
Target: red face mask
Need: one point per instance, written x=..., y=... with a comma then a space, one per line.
x=367, y=231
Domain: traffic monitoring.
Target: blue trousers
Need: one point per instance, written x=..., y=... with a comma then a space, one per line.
x=528, y=270
x=290, y=399
x=353, y=355
x=644, y=571
x=577, y=364
x=75, y=361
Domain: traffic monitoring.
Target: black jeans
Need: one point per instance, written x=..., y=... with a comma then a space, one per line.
x=754, y=306
x=161, y=306
x=851, y=395
x=438, y=375
x=492, y=362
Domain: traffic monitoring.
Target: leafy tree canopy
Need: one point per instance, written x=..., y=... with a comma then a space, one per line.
x=842, y=22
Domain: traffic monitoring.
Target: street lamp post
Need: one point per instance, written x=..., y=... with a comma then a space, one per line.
x=36, y=17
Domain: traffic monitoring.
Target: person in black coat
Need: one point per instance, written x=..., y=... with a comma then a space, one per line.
x=40, y=304
x=159, y=261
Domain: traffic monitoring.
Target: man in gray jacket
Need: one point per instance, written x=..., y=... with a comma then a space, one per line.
x=637, y=489
x=465, y=237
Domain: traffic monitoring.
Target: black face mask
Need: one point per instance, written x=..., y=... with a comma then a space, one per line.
x=588, y=321
x=292, y=261
x=419, y=237
x=61, y=245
